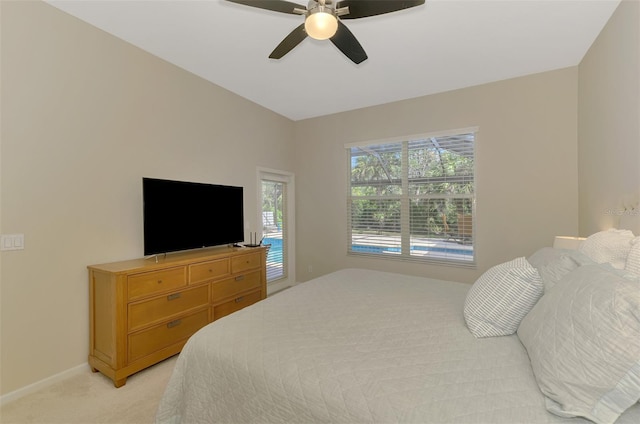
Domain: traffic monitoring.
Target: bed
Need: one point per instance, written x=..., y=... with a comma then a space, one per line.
x=362, y=346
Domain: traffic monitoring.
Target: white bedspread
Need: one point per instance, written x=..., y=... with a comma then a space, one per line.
x=355, y=346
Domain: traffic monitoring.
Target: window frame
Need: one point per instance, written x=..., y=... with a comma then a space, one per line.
x=406, y=197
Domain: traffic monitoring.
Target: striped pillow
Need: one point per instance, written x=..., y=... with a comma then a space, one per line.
x=501, y=297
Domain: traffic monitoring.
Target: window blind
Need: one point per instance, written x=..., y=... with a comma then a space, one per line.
x=414, y=199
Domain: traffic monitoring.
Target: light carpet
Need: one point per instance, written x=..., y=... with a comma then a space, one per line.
x=91, y=398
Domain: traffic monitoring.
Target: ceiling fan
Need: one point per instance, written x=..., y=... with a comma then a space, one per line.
x=323, y=20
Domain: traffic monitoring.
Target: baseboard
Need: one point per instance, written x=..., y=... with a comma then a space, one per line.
x=280, y=290
x=34, y=387
x=274, y=288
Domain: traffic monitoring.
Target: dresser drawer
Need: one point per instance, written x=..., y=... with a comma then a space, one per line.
x=232, y=286
x=245, y=262
x=161, y=308
x=149, y=283
x=236, y=304
x=208, y=270
x=150, y=341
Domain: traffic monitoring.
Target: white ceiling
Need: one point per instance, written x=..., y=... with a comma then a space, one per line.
x=440, y=46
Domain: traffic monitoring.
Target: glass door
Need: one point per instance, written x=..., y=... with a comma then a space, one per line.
x=276, y=216
x=274, y=227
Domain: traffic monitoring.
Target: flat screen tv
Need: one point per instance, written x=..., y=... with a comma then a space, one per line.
x=181, y=215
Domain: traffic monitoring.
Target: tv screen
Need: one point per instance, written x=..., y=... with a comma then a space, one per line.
x=182, y=215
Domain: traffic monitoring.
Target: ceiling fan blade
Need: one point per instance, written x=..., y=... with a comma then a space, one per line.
x=275, y=5
x=365, y=8
x=294, y=38
x=347, y=43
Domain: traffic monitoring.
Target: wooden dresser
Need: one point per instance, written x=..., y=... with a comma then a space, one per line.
x=142, y=311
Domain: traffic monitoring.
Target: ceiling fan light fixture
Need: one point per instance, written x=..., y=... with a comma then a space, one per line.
x=320, y=24
x=323, y=20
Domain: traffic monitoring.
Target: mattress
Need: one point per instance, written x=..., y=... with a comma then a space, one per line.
x=355, y=346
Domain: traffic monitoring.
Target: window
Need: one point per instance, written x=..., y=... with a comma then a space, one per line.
x=414, y=199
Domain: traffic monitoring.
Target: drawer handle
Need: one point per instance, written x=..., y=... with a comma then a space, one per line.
x=240, y=278
x=174, y=296
x=174, y=323
x=239, y=299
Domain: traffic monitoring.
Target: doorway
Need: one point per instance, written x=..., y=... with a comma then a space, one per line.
x=276, y=217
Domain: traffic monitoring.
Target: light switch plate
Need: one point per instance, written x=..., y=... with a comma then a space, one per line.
x=12, y=242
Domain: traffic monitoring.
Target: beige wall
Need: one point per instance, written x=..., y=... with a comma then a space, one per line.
x=84, y=117
x=526, y=169
x=609, y=121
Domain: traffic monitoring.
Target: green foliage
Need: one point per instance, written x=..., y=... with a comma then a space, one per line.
x=273, y=200
x=439, y=186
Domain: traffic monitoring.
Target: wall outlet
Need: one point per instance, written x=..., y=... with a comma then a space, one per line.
x=12, y=242
x=310, y=269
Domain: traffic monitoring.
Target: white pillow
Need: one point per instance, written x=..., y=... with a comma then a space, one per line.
x=553, y=272
x=501, y=297
x=633, y=258
x=610, y=246
x=546, y=255
x=583, y=339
